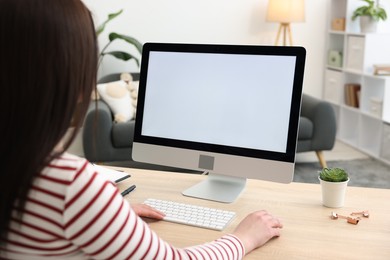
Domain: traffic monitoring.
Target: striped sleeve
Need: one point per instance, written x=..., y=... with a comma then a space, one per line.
x=227, y=247
x=102, y=224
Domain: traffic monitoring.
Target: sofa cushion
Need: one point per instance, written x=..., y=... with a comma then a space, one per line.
x=122, y=134
x=118, y=98
x=305, y=131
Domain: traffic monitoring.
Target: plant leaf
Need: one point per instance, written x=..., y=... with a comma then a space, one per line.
x=113, y=36
x=111, y=16
x=125, y=56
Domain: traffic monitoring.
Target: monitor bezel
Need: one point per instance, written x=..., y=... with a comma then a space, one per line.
x=287, y=156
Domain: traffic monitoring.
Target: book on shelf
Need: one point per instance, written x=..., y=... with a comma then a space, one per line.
x=352, y=94
x=381, y=69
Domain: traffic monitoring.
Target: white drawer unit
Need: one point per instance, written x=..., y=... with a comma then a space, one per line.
x=365, y=122
x=385, y=151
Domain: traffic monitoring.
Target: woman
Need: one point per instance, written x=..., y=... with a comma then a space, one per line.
x=54, y=204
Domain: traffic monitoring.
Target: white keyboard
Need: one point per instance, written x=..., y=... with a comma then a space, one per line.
x=192, y=215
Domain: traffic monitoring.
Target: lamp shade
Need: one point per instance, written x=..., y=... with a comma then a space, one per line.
x=286, y=11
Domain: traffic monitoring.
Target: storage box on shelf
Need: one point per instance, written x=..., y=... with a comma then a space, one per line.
x=364, y=51
x=361, y=99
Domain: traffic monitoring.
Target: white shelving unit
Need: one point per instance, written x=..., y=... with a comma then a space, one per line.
x=366, y=127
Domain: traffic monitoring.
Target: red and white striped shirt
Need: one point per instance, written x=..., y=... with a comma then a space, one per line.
x=73, y=213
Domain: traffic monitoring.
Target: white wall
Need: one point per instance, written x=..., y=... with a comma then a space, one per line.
x=211, y=21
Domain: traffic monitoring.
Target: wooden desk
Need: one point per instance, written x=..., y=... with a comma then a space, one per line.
x=308, y=231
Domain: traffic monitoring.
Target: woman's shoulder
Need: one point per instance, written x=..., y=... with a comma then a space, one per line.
x=68, y=159
x=65, y=168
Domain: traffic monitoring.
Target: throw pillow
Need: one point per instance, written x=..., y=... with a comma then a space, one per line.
x=133, y=88
x=116, y=95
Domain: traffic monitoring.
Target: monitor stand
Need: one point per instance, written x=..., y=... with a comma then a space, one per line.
x=216, y=187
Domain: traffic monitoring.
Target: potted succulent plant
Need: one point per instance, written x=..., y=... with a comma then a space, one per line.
x=369, y=15
x=333, y=182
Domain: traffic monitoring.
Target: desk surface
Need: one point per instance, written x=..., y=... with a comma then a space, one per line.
x=308, y=231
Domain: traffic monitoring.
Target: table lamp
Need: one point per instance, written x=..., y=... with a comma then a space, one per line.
x=285, y=12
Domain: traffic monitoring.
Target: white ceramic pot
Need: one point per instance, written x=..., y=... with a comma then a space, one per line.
x=333, y=193
x=367, y=24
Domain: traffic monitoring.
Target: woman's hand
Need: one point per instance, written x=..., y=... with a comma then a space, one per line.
x=257, y=228
x=143, y=210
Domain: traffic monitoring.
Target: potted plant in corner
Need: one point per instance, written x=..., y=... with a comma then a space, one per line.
x=122, y=55
x=369, y=15
x=334, y=183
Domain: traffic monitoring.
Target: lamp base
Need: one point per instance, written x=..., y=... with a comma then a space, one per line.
x=285, y=27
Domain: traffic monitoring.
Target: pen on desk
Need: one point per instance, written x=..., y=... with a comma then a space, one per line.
x=128, y=190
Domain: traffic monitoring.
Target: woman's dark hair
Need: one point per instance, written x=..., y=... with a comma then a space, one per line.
x=48, y=67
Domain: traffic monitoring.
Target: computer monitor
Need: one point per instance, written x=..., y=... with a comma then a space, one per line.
x=230, y=110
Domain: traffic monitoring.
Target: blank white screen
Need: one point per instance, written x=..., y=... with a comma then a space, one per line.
x=226, y=99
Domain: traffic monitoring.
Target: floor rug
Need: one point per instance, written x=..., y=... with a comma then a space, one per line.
x=363, y=173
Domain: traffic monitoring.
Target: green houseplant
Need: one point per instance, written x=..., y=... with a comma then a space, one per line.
x=333, y=175
x=369, y=15
x=333, y=182
x=113, y=36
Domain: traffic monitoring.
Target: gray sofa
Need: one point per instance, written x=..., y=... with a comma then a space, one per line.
x=106, y=141
x=317, y=127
